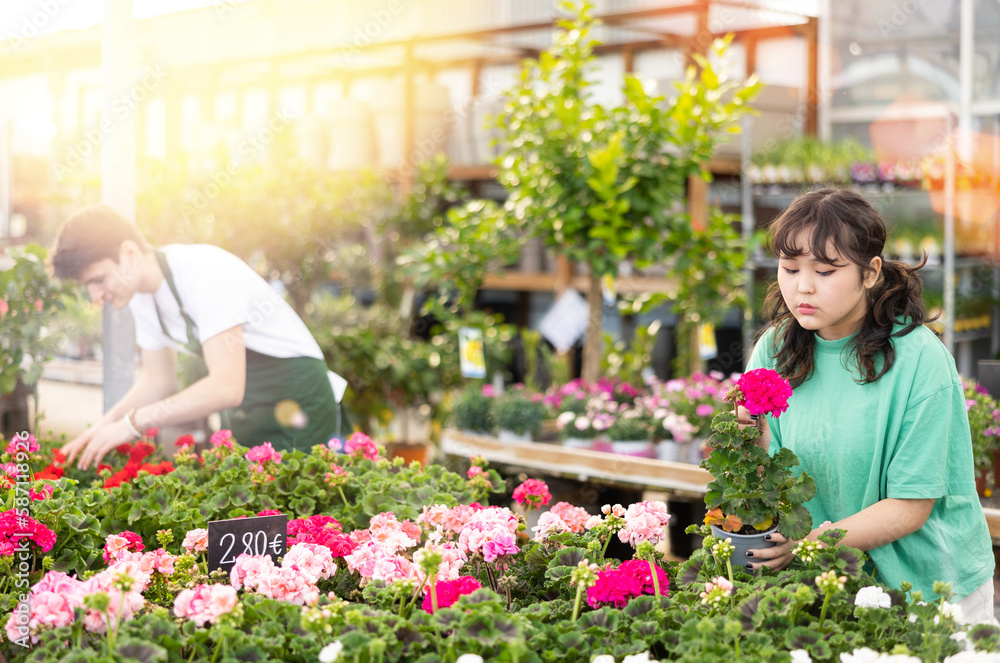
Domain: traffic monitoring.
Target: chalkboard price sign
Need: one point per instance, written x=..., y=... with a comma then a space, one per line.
x=228, y=539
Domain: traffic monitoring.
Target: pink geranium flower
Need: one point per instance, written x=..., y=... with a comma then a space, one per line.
x=205, y=603
x=23, y=445
x=196, y=540
x=261, y=454
x=644, y=521
x=222, y=438
x=115, y=545
x=763, y=391
x=549, y=523
x=313, y=561
x=533, y=492
x=575, y=517
x=43, y=494
x=252, y=573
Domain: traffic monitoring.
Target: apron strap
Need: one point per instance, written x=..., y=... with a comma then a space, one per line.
x=192, y=345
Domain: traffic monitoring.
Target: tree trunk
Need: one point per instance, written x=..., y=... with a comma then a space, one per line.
x=592, y=341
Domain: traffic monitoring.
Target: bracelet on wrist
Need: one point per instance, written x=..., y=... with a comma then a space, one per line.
x=130, y=422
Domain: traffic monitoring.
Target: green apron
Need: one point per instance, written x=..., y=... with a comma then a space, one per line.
x=270, y=380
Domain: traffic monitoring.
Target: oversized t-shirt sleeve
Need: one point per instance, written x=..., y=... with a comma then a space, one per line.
x=216, y=290
x=932, y=454
x=932, y=447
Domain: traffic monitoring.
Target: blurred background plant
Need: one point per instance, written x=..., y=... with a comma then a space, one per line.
x=29, y=301
x=78, y=326
x=984, y=424
x=472, y=410
x=519, y=411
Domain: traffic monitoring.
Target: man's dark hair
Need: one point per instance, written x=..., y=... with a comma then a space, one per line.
x=91, y=235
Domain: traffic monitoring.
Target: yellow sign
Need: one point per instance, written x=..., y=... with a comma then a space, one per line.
x=707, y=349
x=472, y=356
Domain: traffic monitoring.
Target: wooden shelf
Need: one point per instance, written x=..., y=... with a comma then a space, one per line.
x=993, y=521
x=545, y=282
x=719, y=165
x=479, y=172
x=580, y=464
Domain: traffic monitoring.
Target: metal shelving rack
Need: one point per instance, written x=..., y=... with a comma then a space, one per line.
x=955, y=269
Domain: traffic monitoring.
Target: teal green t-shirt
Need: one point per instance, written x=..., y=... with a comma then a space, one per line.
x=905, y=436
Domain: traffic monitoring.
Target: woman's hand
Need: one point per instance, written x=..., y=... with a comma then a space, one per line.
x=780, y=555
x=776, y=557
x=743, y=419
x=104, y=440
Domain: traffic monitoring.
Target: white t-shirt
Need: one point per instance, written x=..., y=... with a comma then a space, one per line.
x=219, y=291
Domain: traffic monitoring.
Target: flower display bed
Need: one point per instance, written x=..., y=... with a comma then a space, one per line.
x=393, y=562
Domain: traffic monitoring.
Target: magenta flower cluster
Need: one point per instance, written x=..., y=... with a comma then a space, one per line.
x=323, y=531
x=16, y=527
x=764, y=391
x=448, y=592
x=618, y=586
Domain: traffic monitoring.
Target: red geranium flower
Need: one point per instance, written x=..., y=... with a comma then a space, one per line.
x=184, y=441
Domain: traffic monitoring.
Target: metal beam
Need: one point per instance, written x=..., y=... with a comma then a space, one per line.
x=51, y=56
x=118, y=55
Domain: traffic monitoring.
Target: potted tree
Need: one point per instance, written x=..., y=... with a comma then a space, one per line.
x=753, y=493
x=604, y=184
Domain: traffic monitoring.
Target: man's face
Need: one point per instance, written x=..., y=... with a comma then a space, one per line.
x=106, y=281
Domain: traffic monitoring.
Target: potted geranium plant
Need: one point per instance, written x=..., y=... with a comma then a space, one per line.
x=752, y=493
x=472, y=410
x=518, y=415
x=631, y=434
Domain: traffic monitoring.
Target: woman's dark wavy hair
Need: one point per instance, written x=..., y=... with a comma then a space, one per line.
x=842, y=221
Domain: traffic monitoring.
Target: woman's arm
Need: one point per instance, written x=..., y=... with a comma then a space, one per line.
x=222, y=388
x=885, y=521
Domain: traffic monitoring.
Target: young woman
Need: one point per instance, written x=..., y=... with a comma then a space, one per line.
x=266, y=373
x=877, y=415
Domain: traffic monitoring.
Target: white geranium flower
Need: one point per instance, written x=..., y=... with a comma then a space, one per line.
x=872, y=597
x=469, y=658
x=866, y=655
x=952, y=610
x=603, y=658
x=331, y=653
x=800, y=656
x=639, y=658
x=973, y=657
x=962, y=638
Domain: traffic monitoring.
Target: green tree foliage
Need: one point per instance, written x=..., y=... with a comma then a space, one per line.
x=603, y=184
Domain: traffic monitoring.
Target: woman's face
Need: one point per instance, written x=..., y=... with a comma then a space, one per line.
x=827, y=298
